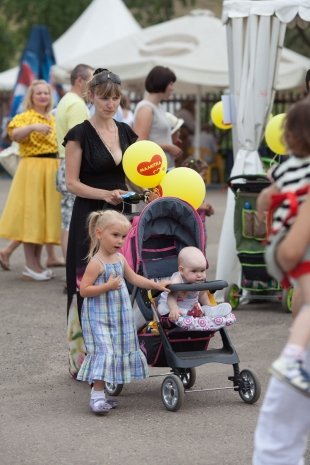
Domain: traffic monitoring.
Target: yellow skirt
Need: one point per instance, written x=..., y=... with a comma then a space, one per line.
x=32, y=210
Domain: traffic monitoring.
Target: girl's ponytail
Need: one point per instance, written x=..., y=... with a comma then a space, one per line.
x=94, y=242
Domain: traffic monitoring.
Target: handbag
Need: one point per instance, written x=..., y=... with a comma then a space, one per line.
x=9, y=158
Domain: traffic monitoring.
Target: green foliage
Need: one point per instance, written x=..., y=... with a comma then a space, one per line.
x=8, y=45
x=20, y=15
x=298, y=40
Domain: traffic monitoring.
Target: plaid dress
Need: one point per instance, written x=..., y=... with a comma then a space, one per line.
x=112, y=346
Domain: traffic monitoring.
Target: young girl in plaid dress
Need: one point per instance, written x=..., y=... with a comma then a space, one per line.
x=113, y=353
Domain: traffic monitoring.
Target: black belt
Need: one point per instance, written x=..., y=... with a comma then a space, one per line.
x=45, y=155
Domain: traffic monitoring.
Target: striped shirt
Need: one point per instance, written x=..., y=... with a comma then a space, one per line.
x=289, y=177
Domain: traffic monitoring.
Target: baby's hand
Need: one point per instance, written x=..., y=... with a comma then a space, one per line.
x=174, y=315
x=114, y=282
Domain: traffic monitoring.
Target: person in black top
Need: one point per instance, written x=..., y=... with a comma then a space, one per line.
x=94, y=174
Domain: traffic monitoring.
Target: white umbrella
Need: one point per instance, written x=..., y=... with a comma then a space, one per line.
x=255, y=36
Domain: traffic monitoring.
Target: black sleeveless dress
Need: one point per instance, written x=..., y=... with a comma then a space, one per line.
x=98, y=169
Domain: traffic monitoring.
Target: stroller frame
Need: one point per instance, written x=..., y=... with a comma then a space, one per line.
x=177, y=348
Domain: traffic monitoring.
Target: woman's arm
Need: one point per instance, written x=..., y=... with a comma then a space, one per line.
x=293, y=247
x=142, y=127
x=143, y=122
x=19, y=134
x=73, y=157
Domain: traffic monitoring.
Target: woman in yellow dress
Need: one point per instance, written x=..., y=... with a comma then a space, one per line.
x=32, y=211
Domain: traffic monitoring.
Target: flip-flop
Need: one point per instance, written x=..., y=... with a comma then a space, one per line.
x=4, y=263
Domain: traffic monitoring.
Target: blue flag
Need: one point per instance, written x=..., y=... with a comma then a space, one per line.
x=36, y=63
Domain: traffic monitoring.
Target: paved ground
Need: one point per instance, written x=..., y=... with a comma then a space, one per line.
x=44, y=416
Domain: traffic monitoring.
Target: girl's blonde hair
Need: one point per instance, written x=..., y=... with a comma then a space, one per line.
x=100, y=220
x=28, y=101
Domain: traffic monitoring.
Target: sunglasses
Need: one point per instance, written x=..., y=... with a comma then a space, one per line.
x=102, y=75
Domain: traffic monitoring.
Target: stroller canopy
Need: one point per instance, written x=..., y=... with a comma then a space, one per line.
x=165, y=226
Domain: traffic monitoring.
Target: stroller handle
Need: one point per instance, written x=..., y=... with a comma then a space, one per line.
x=212, y=286
x=256, y=182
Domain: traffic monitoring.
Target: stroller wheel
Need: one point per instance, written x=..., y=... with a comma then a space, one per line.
x=287, y=295
x=249, y=387
x=113, y=389
x=172, y=393
x=232, y=295
x=188, y=377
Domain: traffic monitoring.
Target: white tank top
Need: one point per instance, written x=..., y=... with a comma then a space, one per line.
x=160, y=130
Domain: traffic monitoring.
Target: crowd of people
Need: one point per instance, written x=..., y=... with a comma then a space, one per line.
x=68, y=190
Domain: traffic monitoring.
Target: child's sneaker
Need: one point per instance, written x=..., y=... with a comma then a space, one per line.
x=100, y=406
x=292, y=372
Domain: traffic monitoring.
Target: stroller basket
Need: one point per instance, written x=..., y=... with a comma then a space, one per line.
x=153, y=348
x=250, y=235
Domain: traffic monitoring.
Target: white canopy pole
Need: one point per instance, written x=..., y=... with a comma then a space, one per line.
x=197, y=123
x=254, y=47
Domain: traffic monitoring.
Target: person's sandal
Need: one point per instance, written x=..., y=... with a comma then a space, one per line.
x=99, y=406
x=112, y=402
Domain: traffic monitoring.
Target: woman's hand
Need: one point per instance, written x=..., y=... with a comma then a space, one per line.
x=175, y=151
x=42, y=128
x=113, y=197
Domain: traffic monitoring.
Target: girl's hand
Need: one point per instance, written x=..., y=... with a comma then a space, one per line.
x=161, y=285
x=174, y=315
x=114, y=282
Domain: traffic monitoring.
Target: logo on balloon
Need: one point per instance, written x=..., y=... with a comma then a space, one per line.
x=150, y=168
x=145, y=164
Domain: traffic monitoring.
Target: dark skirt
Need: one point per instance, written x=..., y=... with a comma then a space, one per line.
x=78, y=248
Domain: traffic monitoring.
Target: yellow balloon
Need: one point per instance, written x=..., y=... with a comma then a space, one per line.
x=145, y=163
x=184, y=183
x=217, y=116
x=274, y=134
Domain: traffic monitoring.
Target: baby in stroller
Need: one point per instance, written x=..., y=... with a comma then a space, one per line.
x=193, y=310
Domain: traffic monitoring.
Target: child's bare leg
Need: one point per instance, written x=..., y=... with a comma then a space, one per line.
x=300, y=331
x=289, y=366
x=98, y=402
x=99, y=385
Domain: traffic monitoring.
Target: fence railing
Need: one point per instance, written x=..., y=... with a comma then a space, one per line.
x=282, y=101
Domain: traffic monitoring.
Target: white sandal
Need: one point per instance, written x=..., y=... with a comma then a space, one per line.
x=34, y=276
x=100, y=406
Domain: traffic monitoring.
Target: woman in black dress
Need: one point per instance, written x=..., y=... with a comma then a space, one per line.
x=94, y=173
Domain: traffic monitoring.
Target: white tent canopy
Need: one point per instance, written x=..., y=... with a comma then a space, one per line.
x=194, y=46
x=103, y=22
x=255, y=36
